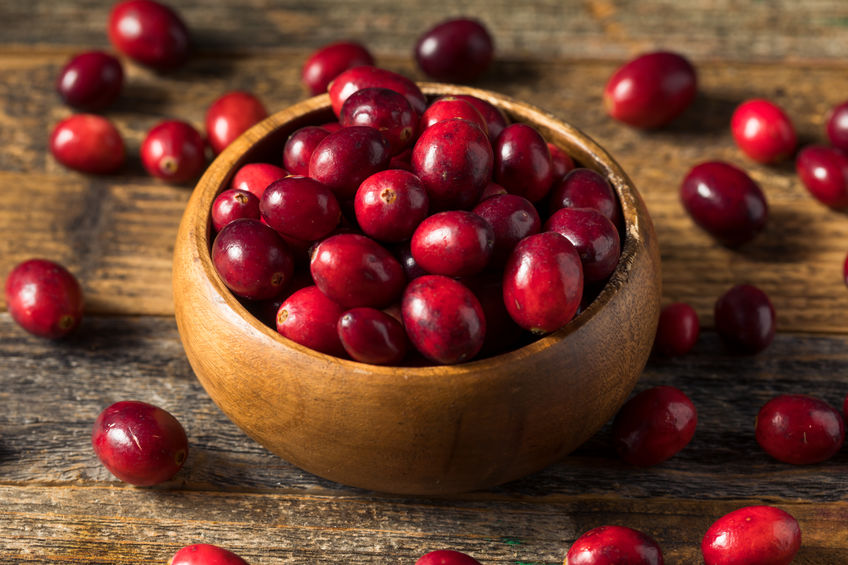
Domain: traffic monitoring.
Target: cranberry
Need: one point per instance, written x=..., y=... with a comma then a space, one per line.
x=233, y=204
x=503, y=332
x=454, y=160
x=724, y=201
x=367, y=76
x=763, y=131
x=390, y=204
x=745, y=319
x=173, y=151
x=205, y=554
x=91, y=80
x=495, y=119
x=231, y=115
x=410, y=268
x=309, y=318
x=677, y=330
x=614, y=545
x=523, y=162
x=139, y=443
x=446, y=557
x=585, y=188
x=331, y=126
x=384, y=110
x=443, y=319
x=824, y=172
x=88, y=143
x=543, y=282
x=44, y=298
x=328, y=62
x=344, y=159
x=561, y=162
x=454, y=243
x=372, y=336
x=448, y=107
x=299, y=147
x=494, y=189
x=149, y=33
x=251, y=259
x=457, y=50
x=799, y=429
x=653, y=426
x=593, y=235
x=255, y=177
x=512, y=218
x=837, y=126
x=761, y=535
x=300, y=207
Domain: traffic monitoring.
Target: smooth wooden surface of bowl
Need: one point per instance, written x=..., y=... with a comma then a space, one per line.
x=417, y=430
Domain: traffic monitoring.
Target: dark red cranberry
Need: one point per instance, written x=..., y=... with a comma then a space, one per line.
x=300, y=207
x=402, y=161
x=585, y=188
x=799, y=429
x=651, y=90
x=653, y=426
x=255, y=177
x=252, y=259
x=725, y=202
x=448, y=107
x=309, y=318
x=446, y=557
x=372, y=336
x=504, y=333
x=44, y=298
x=328, y=62
x=299, y=147
x=495, y=119
x=344, y=159
x=410, y=268
x=763, y=131
x=457, y=50
x=367, y=76
x=745, y=319
x=88, y=143
x=614, y=545
x=764, y=535
x=824, y=172
x=677, y=330
x=561, y=162
x=149, y=33
x=523, y=162
x=205, y=554
x=493, y=189
x=385, y=110
x=139, y=443
x=390, y=204
x=443, y=319
x=91, y=80
x=512, y=218
x=331, y=126
x=173, y=151
x=454, y=243
x=231, y=115
x=233, y=204
x=454, y=161
x=543, y=282
x=593, y=235
x=837, y=126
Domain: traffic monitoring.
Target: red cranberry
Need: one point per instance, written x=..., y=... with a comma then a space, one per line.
x=384, y=110
x=495, y=119
x=231, y=115
x=494, y=189
x=410, y=268
x=585, y=188
x=503, y=332
x=299, y=147
x=173, y=151
x=300, y=207
x=653, y=426
x=330, y=61
x=149, y=33
x=372, y=336
x=344, y=159
x=837, y=126
x=454, y=243
x=88, y=143
x=725, y=202
x=561, y=162
x=233, y=204
x=523, y=162
x=309, y=318
x=446, y=557
x=799, y=429
x=443, y=318
x=251, y=259
x=457, y=50
x=367, y=76
x=614, y=545
x=454, y=160
x=763, y=131
x=745, y=319
x=824, y=172
x=512, y=218
x=44, y=298
x=594, y=237
x=255, y=177
x=205, y=554
x=448, y=107
x=139, y=443
x=390, y=204
x=764, y=535
x=91, y=80
x=543, y=282
x=677, y=330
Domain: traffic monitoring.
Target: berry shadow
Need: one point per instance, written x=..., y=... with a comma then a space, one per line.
x=786, y=238
x=506, y=72
x=709, y=114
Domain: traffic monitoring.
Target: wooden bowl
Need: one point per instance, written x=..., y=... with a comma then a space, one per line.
x=420, y=430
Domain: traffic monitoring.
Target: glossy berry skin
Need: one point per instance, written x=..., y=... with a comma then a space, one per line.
x=496, y=121
x=456, y=50
x=88, y=143
x=443, y=319
x=593, y=235
x=653, y=426
x=677, y=330
x=454, y=243
x=752, y=535
x=345, y=158
x=837, y=126
x=230, y=115
x=367, y=76
x=824, y=172
x=255, y=177
x=328, y=62
x=233, y=204
x=763, y=131
x=512, y=218
x=651, y=90
x=149, y=33
x=205, y=554
x=299, y=147
x=384, y=110
x=173, y=151
x=300, y=207
x=372, y=336
x=91, y=80
x=745, y=319
x=309, y=318
x=799, y=429
x=614, y=545
x=561, y=162
x=139, y=443
x=446, y=557
x=725, y=202
x=44, y=298
x=448, y=107
x=585, y=188
x=523, y=162
x=390, y=204
x=494, y=189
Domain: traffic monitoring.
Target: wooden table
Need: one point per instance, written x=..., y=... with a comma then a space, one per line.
x=116, y=233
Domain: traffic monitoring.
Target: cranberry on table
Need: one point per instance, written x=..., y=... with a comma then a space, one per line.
x=299, y=147
x=799, y=429
x=44, y=298
x=725, y=202
x=614, y=545
x=139, y=443
x=837, y=126
x=593, y=235
x=651, y=90
x=91, y=80
x=512, y=218
x=328, y=62
x=300, y=207
x=677, y=330
x=88, y=143
x=456, y=50
x=230, y=115
x=345, y=158
x=745, y=319
x=824, y=172
x=496, y=121
x=390, y=204
x=761, y=535
x=309, y=318
x=585, y=188
x=446, y=557
x=149, y=33
x=384, y=110
x=205, y=554
x=523, y=162
x=173, y=151
x=367, y=76
x=372, y=336
x=233, y=204
x=763, y=131
x=447, y=107
x=255, y=177
x=454, y=243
